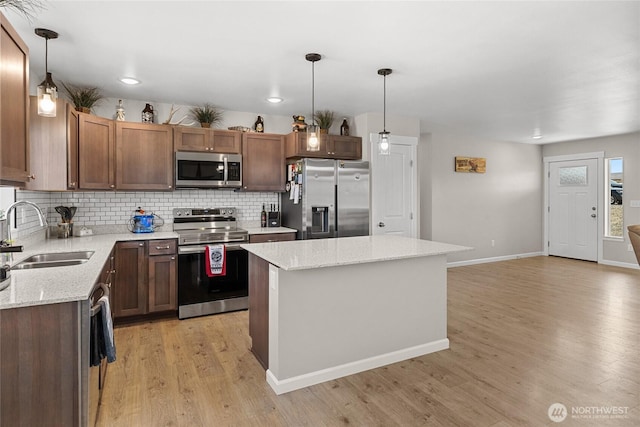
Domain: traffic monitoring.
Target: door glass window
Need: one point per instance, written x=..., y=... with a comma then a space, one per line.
x=614, y=219
x=573, y=175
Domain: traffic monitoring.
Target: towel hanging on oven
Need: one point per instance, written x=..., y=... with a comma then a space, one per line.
x=215, y=260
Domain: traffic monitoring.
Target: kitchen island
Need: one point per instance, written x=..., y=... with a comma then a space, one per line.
x=326, y=308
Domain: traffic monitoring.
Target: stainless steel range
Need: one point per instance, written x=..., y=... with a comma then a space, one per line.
x=199, y=294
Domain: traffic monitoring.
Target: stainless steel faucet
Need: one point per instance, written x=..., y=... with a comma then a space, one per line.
x=41, y=215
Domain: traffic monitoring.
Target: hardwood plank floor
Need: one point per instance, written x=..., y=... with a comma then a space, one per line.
x=523, y=334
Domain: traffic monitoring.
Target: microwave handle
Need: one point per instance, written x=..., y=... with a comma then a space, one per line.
x=226, y=169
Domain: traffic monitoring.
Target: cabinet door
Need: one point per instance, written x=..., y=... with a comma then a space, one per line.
x=192, y=139
x=144, y=155
x=96, y=153
x=296, y=146
x=73, y=134
x=345, y=147
x=163, y=291
x=14, y=105
x=227, y=141
x=263, y=167
x=48, y=150
x=129, y=290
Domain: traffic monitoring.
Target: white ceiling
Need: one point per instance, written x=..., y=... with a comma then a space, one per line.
x=497, y=69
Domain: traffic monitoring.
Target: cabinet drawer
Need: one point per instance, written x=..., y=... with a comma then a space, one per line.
x=273, y=237
x=162, y=247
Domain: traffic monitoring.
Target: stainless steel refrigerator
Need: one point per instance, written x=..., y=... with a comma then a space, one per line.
x=326, y=198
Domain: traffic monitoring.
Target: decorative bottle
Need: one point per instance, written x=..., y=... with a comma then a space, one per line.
x=263, y=217
x=120, y=111
x=147, y=114
x=259, y=125
x=344, y=128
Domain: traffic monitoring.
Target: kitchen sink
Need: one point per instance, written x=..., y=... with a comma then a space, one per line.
x=54, y=259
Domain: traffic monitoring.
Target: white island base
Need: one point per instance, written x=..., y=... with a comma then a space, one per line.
x=331, y=321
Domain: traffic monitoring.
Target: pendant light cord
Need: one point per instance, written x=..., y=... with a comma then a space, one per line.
x=313, y=92
x=384, y=105
x=46, y=56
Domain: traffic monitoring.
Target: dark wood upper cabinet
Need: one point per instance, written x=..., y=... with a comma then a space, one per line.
x=49, y=157
x=344, y=147
x=144, y=156
x=212, y=140
x=14, y=105
x=263, y=162
x=96, y=153
x=331, y=147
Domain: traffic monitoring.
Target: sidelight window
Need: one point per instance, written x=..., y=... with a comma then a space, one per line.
x=614, y=219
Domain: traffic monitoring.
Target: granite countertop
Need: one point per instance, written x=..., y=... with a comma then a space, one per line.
x=63, y=284
x=308, y=254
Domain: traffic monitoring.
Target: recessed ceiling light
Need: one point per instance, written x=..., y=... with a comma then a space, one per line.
x=538, y=136
x=274, y=100
x=129, y=80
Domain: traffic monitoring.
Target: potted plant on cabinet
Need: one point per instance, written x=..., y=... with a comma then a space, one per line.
x=83, y=98
x=324, y=119
x=207, y=115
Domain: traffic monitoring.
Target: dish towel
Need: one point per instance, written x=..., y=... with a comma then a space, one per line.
x=96, y=353
x=216, y=260
x=107, y=329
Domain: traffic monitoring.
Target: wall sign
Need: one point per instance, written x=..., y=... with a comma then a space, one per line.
x=471, y=164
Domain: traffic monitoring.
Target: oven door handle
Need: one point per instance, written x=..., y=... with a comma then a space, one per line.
x=226, y=170
x=182, y=250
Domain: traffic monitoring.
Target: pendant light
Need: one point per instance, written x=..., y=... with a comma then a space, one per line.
x=47, y=90
x=383, y=137
x=313, y=130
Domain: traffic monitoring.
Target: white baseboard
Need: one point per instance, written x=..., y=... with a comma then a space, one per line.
x=311, y=378
x=493, y=259
x=619, y=264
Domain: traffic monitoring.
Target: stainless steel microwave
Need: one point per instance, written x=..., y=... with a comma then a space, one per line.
x=208, y=170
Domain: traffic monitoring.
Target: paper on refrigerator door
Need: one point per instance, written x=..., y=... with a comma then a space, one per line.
x=296, y=194
x=292, y=191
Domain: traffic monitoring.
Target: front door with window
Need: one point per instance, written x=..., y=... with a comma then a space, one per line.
x=573, y=209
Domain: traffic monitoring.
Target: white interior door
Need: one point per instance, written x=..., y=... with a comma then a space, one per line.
x=394, y=188
x=573, y=209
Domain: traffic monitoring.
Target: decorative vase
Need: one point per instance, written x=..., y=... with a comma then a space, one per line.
x=84, y=110
x=148, y=114
x=205, y=125
x=324, y=131
x=120, y=111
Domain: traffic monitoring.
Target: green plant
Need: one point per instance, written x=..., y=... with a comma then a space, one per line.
x=207, y=114
x=27, y=7
x=324, y=118
x=83, y=97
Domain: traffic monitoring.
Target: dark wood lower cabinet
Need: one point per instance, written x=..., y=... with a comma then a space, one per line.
x=146, y=278
x=39, y=365
x=259, y=308
x=129, y=294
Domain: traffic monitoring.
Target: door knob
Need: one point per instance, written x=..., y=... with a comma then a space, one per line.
x=381, y=224
x=593, y=215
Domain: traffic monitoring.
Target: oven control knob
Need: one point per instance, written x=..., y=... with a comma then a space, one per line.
x=178, y=213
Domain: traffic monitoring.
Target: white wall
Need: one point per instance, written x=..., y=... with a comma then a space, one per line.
x=504, y=204
x=626, y=146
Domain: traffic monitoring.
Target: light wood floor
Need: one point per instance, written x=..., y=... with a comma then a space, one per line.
x=524, y=334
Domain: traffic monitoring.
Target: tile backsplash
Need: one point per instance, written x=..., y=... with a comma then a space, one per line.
x=97, y=208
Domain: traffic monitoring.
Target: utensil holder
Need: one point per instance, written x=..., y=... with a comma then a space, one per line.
x=64, y=229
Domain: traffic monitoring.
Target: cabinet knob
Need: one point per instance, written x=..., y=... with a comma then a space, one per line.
x=112, y=186
x=72, y=185
x=140, y=244
x=32, y=176
x=172, y=258
x=170, y=187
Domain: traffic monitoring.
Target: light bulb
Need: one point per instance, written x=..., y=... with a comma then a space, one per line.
x=46, y=103
x=313, y=140
x=383, y=143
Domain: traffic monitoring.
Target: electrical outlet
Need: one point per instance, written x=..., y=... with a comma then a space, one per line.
x=635, y=203
x=493, y=243
x=630, y=248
